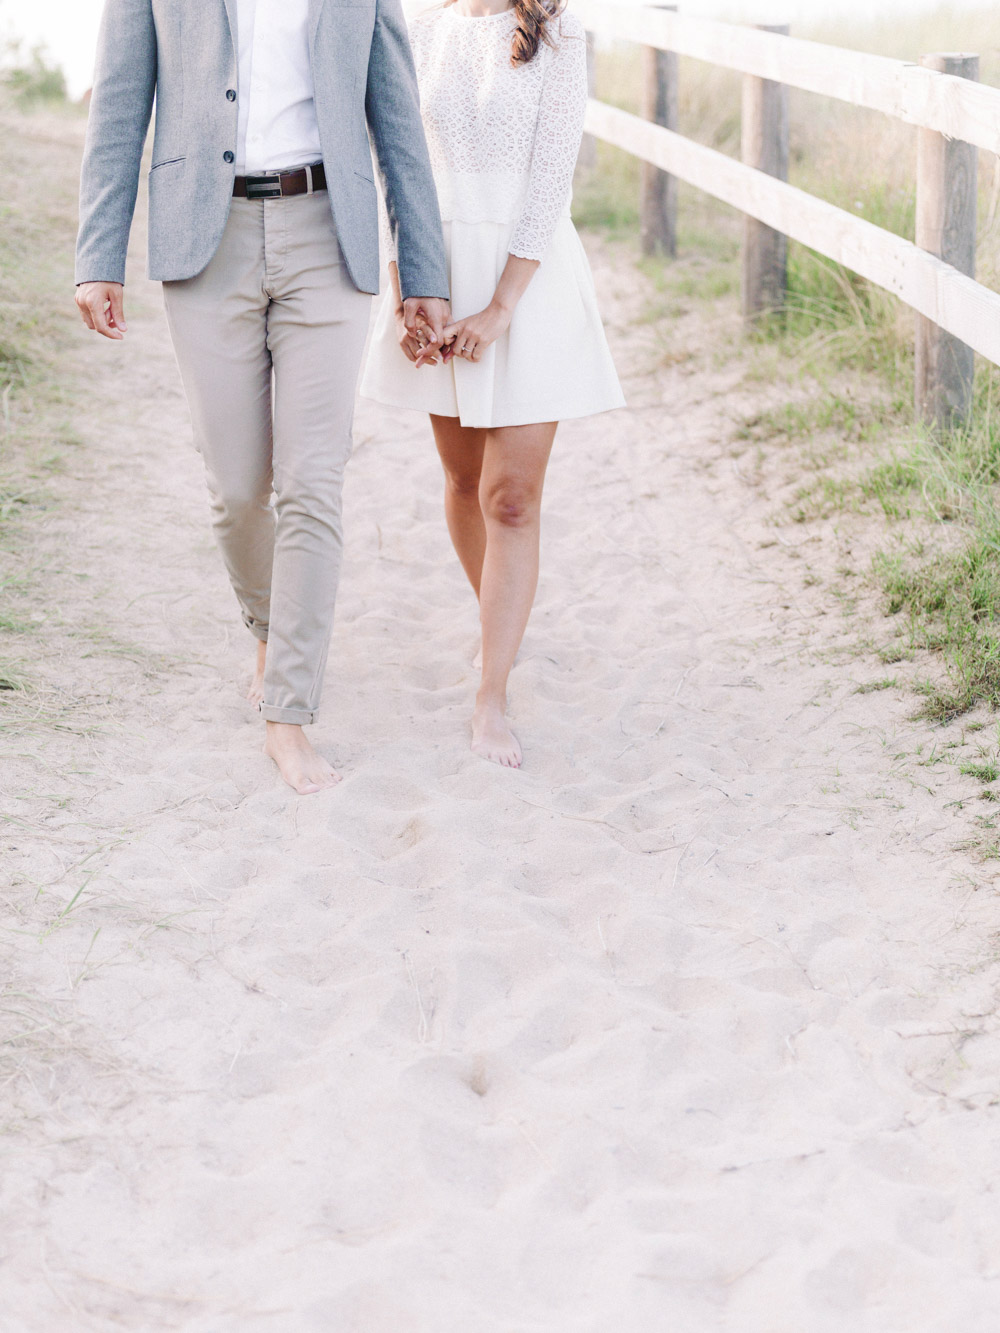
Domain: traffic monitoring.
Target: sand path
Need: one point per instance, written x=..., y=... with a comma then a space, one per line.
x=689, y=1025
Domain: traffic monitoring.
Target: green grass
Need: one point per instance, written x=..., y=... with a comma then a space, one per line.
x=11, y=679
x=873, y=686
x=947, y=584
x=13, y=625
x=607, y=198
x=32, y=80
x=854, y=419
x=950, y=601
x=36, y=323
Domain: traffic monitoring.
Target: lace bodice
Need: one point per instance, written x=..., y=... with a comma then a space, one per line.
x=503, y=139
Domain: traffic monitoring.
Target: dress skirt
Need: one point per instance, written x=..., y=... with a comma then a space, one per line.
x=552, y=364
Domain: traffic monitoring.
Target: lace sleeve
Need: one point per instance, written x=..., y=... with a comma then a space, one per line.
x=557, y=142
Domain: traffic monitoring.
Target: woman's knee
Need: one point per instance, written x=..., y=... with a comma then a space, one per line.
x=510, y=503
x=462, y=485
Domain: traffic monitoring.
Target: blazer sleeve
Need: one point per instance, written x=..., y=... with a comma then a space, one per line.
x=121, y=105
x=392, y=105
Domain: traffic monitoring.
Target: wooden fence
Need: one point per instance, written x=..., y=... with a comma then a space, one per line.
x=954, y=116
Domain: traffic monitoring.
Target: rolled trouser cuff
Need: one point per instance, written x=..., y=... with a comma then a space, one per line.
x=256, y=627
x=299, y=717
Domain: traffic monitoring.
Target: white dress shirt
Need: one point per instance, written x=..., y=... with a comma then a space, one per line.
x=277, y=114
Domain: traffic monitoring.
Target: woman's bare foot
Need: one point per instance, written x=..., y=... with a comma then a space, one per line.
x=256, y=691
x=298, y=763
x=492, y=737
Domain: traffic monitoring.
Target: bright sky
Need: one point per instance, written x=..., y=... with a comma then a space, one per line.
x=69, y=27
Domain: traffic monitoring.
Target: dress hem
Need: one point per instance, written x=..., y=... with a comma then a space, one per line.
x=531, y=417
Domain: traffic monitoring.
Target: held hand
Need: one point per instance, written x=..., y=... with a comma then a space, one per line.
x=423, y=319
x=418, y=346
x=102, y=305
x=408, y=341
x=469, y=338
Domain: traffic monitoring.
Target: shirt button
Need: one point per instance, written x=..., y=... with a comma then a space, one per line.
x=230, y=94
x=227, y=156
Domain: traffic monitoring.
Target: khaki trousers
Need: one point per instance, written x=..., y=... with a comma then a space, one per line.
x=269, y=340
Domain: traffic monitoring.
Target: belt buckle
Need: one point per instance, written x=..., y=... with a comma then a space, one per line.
x=263, y=187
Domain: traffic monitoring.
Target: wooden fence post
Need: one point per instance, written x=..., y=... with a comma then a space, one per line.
x=658, y=189
x=946, y=226
x=587, y=160
x=765, y=146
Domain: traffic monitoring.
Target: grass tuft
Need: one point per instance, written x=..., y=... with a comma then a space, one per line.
x=872, y=686
x=11, y=681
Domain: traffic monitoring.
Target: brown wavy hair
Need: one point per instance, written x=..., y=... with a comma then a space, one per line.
x=533, y=19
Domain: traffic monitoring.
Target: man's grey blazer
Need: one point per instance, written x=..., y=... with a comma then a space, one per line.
x=183, y=53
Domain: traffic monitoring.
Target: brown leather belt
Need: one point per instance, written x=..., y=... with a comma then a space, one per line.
x=280, y=184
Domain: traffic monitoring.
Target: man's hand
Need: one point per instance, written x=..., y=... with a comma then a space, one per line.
x=424, y=319
x=102, y=305
x=417, y=346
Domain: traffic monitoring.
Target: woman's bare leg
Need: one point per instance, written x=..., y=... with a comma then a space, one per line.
x=461, y=450
x=510, y=498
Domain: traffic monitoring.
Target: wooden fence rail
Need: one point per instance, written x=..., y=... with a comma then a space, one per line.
x=956, y=315
x=920, y=96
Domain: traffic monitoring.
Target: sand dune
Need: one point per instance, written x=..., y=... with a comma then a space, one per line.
x=689, y=1025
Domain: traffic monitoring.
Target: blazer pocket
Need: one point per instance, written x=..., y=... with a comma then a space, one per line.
x=362, y=175
x=168, y=162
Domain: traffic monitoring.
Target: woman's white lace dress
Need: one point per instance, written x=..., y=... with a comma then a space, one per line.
x=503, y=142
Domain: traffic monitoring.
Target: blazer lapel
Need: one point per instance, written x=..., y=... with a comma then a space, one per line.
x=315, y=9
x=231, y=8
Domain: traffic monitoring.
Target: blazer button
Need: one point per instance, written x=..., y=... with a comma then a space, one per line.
x=227, y=156
x=230, y=94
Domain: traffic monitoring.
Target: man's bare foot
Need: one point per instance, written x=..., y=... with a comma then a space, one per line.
x=298, y=763
x=492, y=737
x=256, y=691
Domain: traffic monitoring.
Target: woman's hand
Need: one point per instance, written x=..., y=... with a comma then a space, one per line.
x=470, y=337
